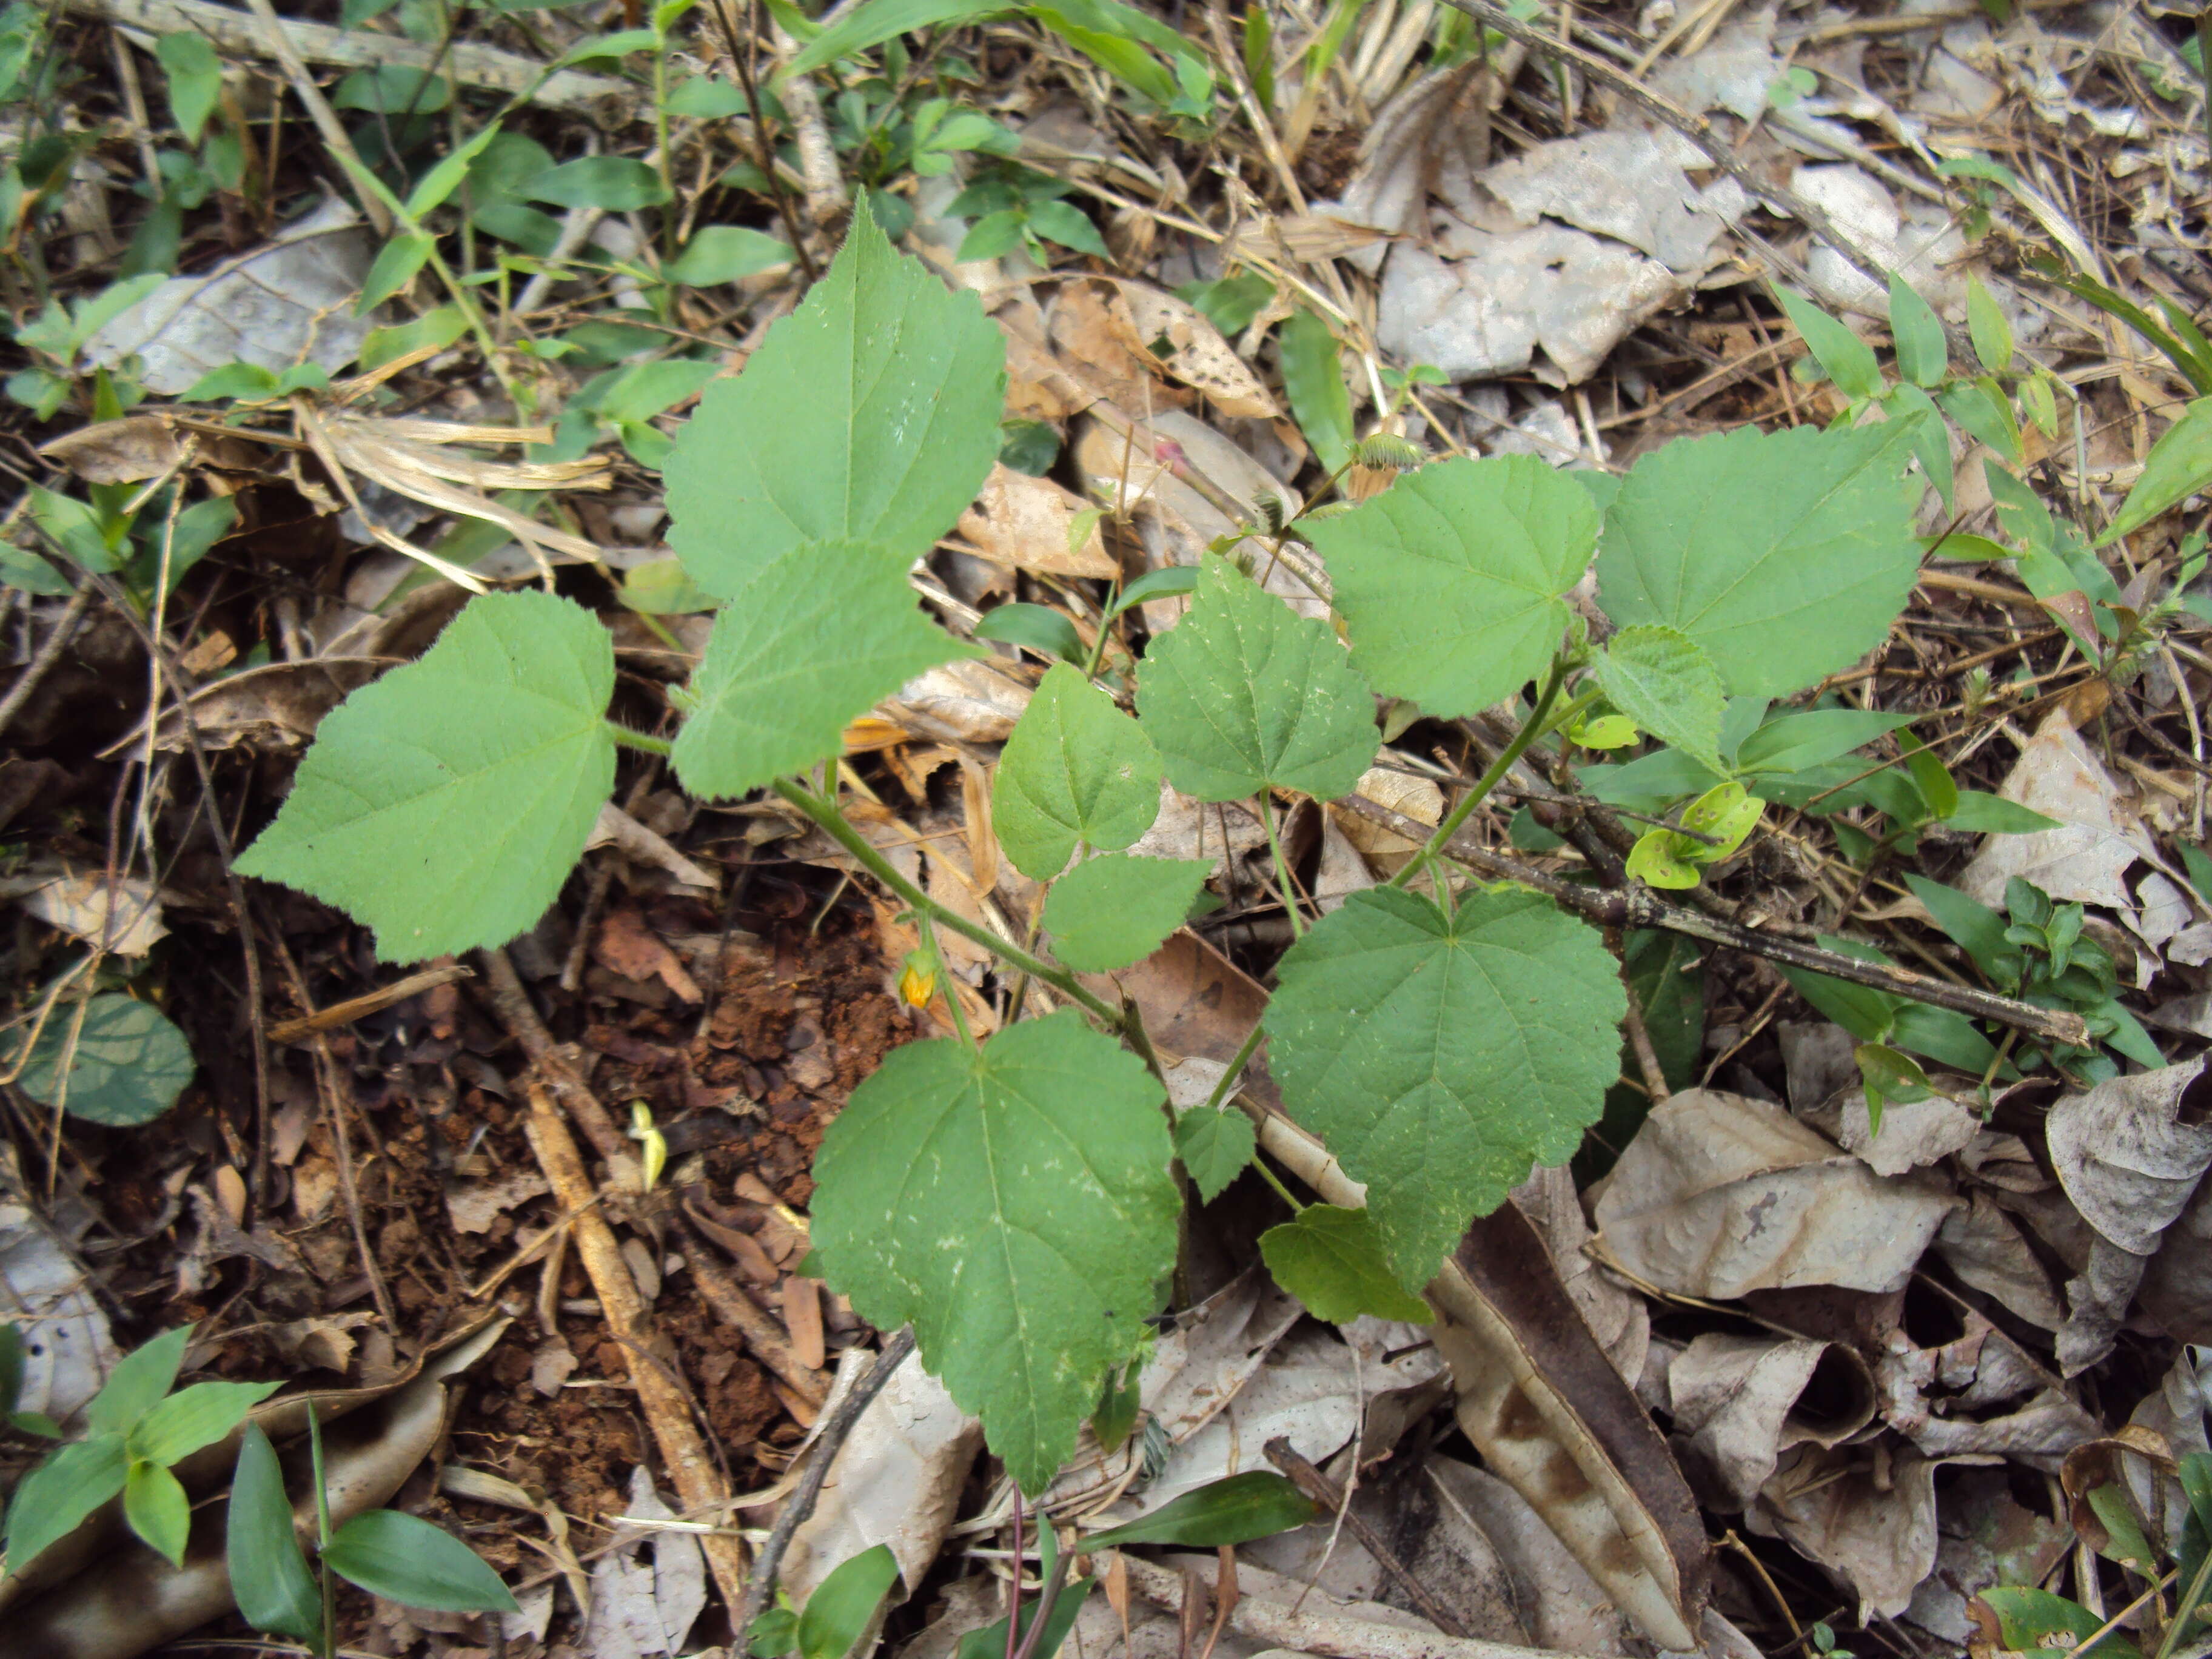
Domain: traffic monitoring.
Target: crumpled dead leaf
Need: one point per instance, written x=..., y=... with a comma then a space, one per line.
x=2085, y=860
x=1739, y=1402
x=1623, y=183
x=44, y=1292
x=1984, y=1246
x=1985, y=1537
x=897, y=1481
x=1872, y=1525
x=638, y=1610
x=1177, y=339
x=2130, y=1150
x=1719, y=1195
x=136, y=447
x=288, y=302
x=1027, y=522
x=123, y=915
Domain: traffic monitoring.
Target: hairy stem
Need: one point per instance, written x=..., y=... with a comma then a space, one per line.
x=1530, y=728
x=1282, y=867
x=825, y=813
x=629, y=739
x=1243, y=1058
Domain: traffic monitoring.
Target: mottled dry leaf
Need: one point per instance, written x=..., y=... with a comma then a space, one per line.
x=1719, y=1195
x=1742, y=1401
x=1025, y=522
x=2085, y=860
x=1177, y=336
x=1878, y=1537
x=116, y=452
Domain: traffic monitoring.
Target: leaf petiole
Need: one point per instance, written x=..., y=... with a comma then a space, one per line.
x=825, y=813
x=1530, y=728
x=642, y=740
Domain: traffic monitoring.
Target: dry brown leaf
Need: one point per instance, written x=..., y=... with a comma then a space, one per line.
x=802, y=1317
x=2085, y=860
x=272, y=708
x=136, y=447
x=1986, y=1248
x=1027, y=523
x=1739, y=1402
x=1099, y=347
x=625, y=945
x=1872, y=1525
x=2130, y=1151
x=1179, y=340
x=1719, y=1195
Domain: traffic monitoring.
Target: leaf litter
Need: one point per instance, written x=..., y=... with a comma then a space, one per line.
x=1860, y=1329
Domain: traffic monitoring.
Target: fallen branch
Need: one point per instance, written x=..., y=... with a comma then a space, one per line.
x=1329, y=1498
x=666, y=1405
x=1637, y=906
x=239, y=34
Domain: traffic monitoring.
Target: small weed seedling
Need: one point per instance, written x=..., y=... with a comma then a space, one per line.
x=135, y=1430
x=402, y=1557
x=1439, y=1034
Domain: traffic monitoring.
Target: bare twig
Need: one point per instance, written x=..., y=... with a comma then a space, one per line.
x=65, y=628
x=835, y=1428
x=666, y=1406
x=1639, y=908
x=1327, y=1493
x=359, y=1007
x=743, y=1315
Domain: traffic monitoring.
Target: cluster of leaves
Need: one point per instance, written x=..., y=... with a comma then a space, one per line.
x=402, y=1557
x=2023, y=1619
x=136, y=1430
x=1012, y=1197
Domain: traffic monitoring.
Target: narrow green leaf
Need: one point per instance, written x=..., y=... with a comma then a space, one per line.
x=1983, y=410
x=1068, y=225
x=1215, y=1144
x=2179, y=465
x=1975, y=927
x=1332, y=1259
x=131, y=1064
x=1442, y=1057
x=1243, y=694
x=1931, y=444
x=195, y=1417
x=1849, y=360
x=1116, y=1416
x=1986, y=325
x=1172, y=582
x=1787, y=555
x=54, y=1499
x=1798, y=743
x=2035, y=1620
x=1014, y=1202
x=137, y=1383
x=1985, y=814
x=1238, y=1510
x=617, y=184
x=155, y=1504
x=1037, y=628
x=395, y=267
x=870, y=413
x=723, y=254
x=990, y=1642
x=808, y=643
x=444, y=805
x=1111, y=912
x=879, y=21
x=2123, y=1535
x=1313, y=379
x=195, y=75
x=404, y=1559
x=1076, y=770
x=1662, y=679
x=1923, y=357
x=431, y=190
x=269, y=1576
x=1453, y=581
x=837, y=1613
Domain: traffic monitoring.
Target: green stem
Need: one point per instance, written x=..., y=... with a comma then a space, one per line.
x=1483, y=784
x=660, y=137
x=2186, y=1609
x=1275, y=1181
x=629, y=739
x=1282, y=870
x=328, y=1644
x=825, y=813
x=1228, y=1082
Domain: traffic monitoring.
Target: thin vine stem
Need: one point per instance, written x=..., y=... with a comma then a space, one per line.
x=1243, y=1058
x=628, y=740
x=1282, y=868
x=833, y=822
x=1530, y=729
